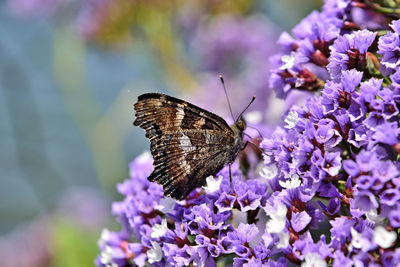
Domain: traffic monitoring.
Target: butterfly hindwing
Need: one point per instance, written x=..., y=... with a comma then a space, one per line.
x=181, y=166
x=187, y=143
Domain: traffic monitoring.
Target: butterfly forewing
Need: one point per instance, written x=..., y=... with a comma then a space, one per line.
x=188, y=143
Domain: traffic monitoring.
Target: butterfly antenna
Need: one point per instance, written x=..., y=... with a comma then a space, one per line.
x=252, y=100
x=226, y=94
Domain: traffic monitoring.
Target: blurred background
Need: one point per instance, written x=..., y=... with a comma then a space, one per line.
x=70, y=72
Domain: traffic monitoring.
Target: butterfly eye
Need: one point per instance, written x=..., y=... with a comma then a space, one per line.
x=241, y=124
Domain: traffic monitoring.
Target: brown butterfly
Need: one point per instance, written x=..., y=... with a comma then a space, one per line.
x=188, y=143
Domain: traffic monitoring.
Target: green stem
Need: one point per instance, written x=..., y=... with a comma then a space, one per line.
x=385, y=10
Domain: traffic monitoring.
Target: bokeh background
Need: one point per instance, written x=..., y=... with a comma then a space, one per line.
x=70, y=72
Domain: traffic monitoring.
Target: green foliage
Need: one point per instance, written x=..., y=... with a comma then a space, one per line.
x=73, y=245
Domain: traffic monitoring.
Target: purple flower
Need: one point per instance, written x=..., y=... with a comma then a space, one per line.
x=345, y=151
x=241, y=238
x=225, y=202
x=325, y=131
x=390, y=196
x=249, y=201
x=389, y=47
x=387, y=133
x=337, y=8
x=333, y=206
x=365, y=182
x=390, y=258
x=365, y=201
x=349, y=52
x=202, y=218
x=394, y=218
x=206, y=217
x=333, y=161
x=318, y=26
x=300, y=220
x=115, y=249
x=306, y=249
x=340, y=260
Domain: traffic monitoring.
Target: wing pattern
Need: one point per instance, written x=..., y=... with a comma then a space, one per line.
x=188, y=143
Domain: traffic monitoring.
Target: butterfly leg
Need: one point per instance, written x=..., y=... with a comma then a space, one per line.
x=230, y=177
x=256, y=146
x=245, y=144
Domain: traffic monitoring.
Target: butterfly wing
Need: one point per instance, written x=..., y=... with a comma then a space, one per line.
x=187, y=143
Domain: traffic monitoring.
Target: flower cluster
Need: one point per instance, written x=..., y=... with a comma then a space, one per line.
x=307, y=59
x=335, y=163
x=219, y=223
x=339, y=152
x=329, y=189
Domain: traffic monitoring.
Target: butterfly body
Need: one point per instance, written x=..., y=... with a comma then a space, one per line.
x=187, y=142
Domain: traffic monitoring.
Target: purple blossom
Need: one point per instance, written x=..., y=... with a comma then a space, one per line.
x=394, y=218
x=350, y=52
x=300, y=220
x=165, y=237
x=307, y=55
x=333, y=206
x=225, y=42
x=389, y=47
x=225, y=202
x=333, y=162
x=343, y=145
x=390, y=196
x=116, y=249
x=340, y=260
x=249, y=201
x=365, y=201
x=241, y=238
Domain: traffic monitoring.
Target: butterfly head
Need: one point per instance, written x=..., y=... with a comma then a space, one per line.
x=240, y=123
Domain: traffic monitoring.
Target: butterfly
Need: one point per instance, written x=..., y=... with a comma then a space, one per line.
x=188, y=143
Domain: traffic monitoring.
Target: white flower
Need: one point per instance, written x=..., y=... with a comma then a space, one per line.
x=154, y=254
x=384, y=238
x=269, y=172
x=283, y=240
x=289, y=61
x=299, y=82
x=213, y=184
x=277, y=221
x=294, y=182
x=104, y=236
x=159, y=230
x=313, y=260
x=374, y=217
x=106, y=257
x=144, y=157
x=291, y=119
x=268, y=239
x=356, y=238
x=166, y=205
